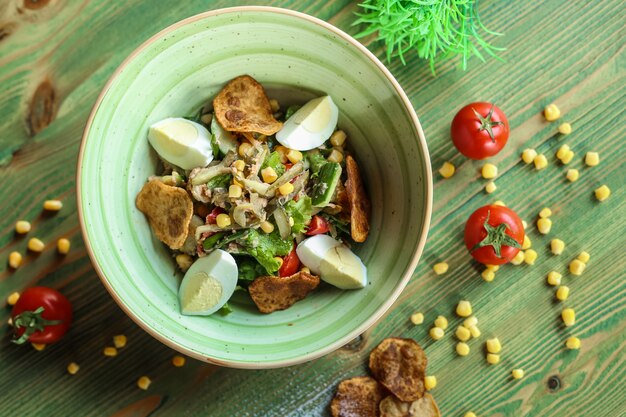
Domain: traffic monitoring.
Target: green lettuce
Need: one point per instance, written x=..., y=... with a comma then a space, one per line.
x=264, y=247
x=301, y=212
x=219, y=181
x=273, y=161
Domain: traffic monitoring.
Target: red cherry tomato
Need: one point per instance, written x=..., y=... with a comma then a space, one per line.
x=317, y=226
x=41, y=315
x=291, y=264
x=494, y=235
x=479, y=130
x=212, y=216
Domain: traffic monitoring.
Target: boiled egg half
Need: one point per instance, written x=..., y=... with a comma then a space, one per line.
x=310, y=126
x=181, y=142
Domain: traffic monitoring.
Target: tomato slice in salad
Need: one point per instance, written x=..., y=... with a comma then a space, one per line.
x=318, y=226
x=291, y=264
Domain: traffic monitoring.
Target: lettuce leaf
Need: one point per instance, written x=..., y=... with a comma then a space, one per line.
x=264, y=247
x=273, y=161
x=219, y=181
x=301, y=212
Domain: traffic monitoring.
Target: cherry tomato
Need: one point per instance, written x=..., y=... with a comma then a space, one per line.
x=41, y=315
x=479, y=130
x=494, y=234
x=212, y=217
x=291, y=264
x=317, y=226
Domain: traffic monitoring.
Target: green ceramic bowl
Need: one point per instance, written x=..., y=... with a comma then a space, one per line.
x=295, y=56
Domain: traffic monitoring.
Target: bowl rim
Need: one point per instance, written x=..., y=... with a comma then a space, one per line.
x=406, y=275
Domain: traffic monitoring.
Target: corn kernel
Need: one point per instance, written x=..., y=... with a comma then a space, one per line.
x=572, y=175
x=235, y=191
x=499, y=203
x=239, y=165
x=469, y=414
x=569, y=316
x=527, y=243
x=583, y=257
x=286, y=188
x=15, y=259
x=475, y=331
x=540, y=162
x=52, y=205
x=223, y=220
x=178, y=361
x=545, y=213
x=294, y=156
x=243, y=149
x=470, y=321
x=464, y=308
x=430, y=382
x=436, y=333
x=557, y=246
x=554, y=278
x=568, y=157
x=184, y=261
x=440, y=268
x=22, y=227
x=530, y=256
x=518, y=259
x=517, y=373
x=338, y=138
x=462, y=349
x=602, y=193
x=10, y=322
x=529, y=155
x=279, y=260
x=38, y=346
x=110, y=351
x=551, y=112
x=269, y=175
x=577, y=267
x=463, y=334
x=572, y=343
x=267, y=227
x=562, y=152
x=441, y=322
x=488, y=275
x=490, y=187
x=119, y=340
x=493, y=345
x=35, y=245
x=592, y=159
x=335, y=156
x=235, y=182
x=493, y=358
x=417, y=318
x=493, y=268
x=305, y=270
x=447, y=170
x=144, y=382
x=489, y=171
x=291, y=221
x=544, y=226
x=72, y=368
x=274, y=105
x=524, y=224
x=206, y=118
x=562, y=293
x=12, y=298
x=565, y=128
x=63, y=246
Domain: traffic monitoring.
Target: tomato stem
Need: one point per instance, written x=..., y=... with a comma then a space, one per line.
x=496, y=237
x=486, y=123
x=32, y=322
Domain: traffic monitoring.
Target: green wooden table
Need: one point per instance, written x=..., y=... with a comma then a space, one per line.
x=55, y=56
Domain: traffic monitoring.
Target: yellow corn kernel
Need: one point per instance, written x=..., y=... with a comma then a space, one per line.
x=463, y=334
x=562, y=152
x=583, y=257
x=489, y=171
x=436, y=333
x=545, y=213
x=15, y=259
x=223, y=220
x=441, y=322
x=544, y=226
x=488, y=275
x=206, y=118
x=490, y=187
x=178, y=361
x=529, y=155
x=592, y=159
x=239, y=165
x=35, y=245
x=12, y=298
x=464, y=308
x=38, y=346
x=305, y=270
x=493, y=345
x=551, y=112
x=527, y=243
x=72, y=368
x=602, y=193
x=279, y=260
x=243, y=149
x=572, y=343
x=540, y=162
x=524, y=224
x=493, y=358
x=430, y=382
x=572, y=175
x=52, y=205
x=335, y=156
x=286, y=188
x=294, y=156
x=417, y=318
x=144, y=382
x=462, y=349
x=119, y=340
x=267, y=227
x=568, y=157
x=470, y=321
x=554, y=278
x=518, y=259
x=557, y=246
x=235, y=191
x=274, y=105
x=469, y=414
x=565, y=128
x=440, y=268
x=184, y=261
x=10, y=322
x=338, y=138
x=530, y=256
x=562, y=293
x=569, y=316
x=63, y=246
x=235, y=182
x=291, y=221
x=577, y=267
x=110, y=351
x=447, y=170
x=269, y=175
x=475, y=331
x=22, y=227
x=517, y=373
x=493, y=268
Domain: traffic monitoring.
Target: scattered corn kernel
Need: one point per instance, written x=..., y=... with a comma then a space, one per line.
x=178, y=361
x=286, y=188
x=540, y=162
x=572, y=343
x=63, y=246
x=470, y=321
x=572, y=175
x=499, y=203
x=490, y=187
x=565, y=128
x=440, y=268
x=267, y=227
x=235, y=191
x=489, y=171
x=562, y=293
x=184, y=261
x=557, y=246
x=488, y=275
x=475, y=332
x=243, y=149
x=519, y=258
x=569, y=316
x=545, y=213
x=239, y=165
x=15, y=259
x=294, y=156
x=72, y=368
x=592, y=159
x=602, y=193
x=274, y=105
x=530, y=256
x=38, y=346
x=517, y=373
x=568, y=157
x=52, y=205
x=524, y=224
x=269, y=175
x=110, y=351
x=447, y=170
x=119, y=340
x=338, y=138
x=305, y=269
x=430, y=382
x=493, y=268
x=527, y=243
x=223, y=220
x=464, y=308
x=22, y=227
x=493, y=358
x=335, y=156
x=463, y=334
x=12, y=298
x=469, y=414
x=417, y=318
x=206, y=118
x=35, y=245
x=529, y=155
x=441, y=322
x=436, y=333
x=544, y=226
x=562, y=152
x=144, y=382
x=584, y=257
x=554, y=278
x=577, y=267
x=493, y=345
x=551, y=112
x=462, y=349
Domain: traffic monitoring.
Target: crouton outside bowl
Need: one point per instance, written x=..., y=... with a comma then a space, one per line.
x=294, y=56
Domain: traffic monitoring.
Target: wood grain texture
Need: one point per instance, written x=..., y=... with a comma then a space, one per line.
x=571, y=53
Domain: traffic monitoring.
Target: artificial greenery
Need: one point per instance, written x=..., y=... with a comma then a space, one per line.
x=434, y=28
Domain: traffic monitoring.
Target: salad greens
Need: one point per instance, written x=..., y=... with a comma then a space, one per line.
x=273, y=161
x=265, y=247
x=301, y=212
x=219, y=181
